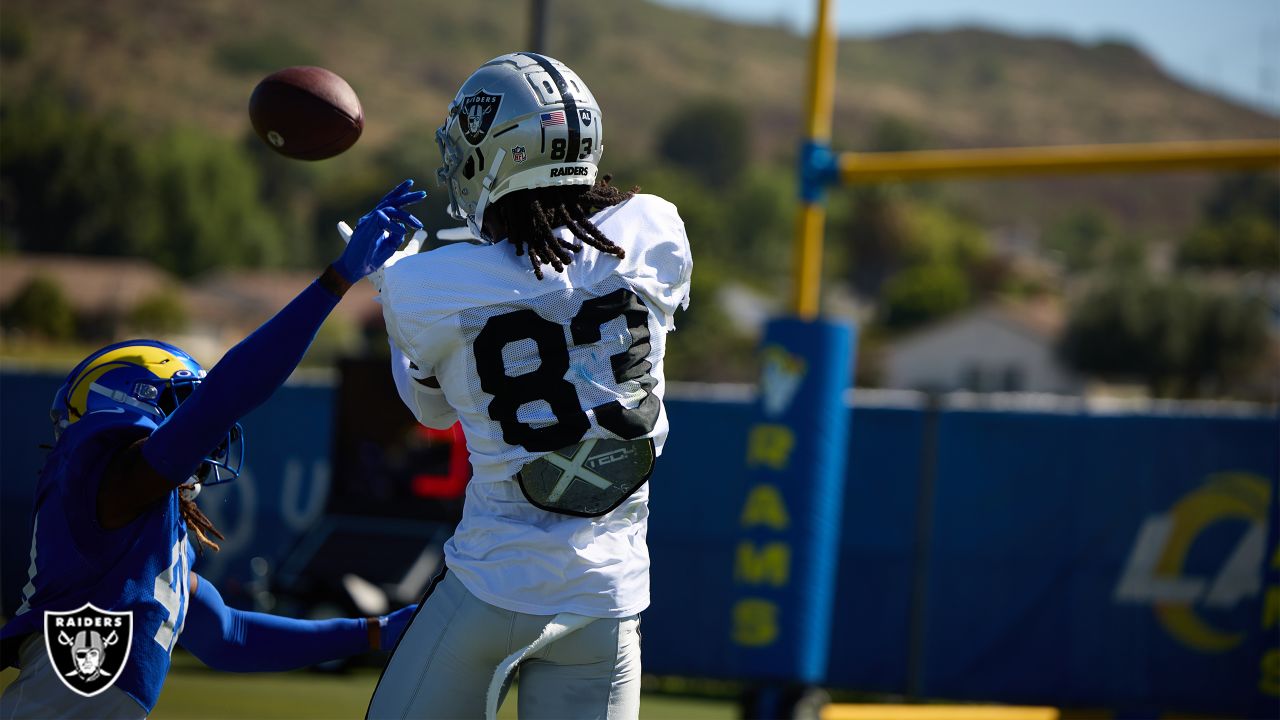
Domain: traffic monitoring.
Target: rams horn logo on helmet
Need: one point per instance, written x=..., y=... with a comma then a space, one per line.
x=140, y=378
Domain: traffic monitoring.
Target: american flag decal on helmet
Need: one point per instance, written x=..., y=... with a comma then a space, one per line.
x=553, y=118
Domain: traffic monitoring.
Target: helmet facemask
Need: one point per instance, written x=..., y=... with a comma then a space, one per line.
x=226, y=460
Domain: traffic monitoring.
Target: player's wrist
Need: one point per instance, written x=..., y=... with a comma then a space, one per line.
x=373, y=626
x=334, y=281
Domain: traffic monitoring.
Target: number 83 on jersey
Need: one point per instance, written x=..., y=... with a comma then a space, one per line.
x=548, y=381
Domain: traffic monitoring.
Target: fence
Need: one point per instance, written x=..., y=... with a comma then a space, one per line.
x=1058, y=555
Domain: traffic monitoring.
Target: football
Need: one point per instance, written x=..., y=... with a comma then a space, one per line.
x=306, y=113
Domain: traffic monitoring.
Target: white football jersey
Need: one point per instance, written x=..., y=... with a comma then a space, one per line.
x=530, y=366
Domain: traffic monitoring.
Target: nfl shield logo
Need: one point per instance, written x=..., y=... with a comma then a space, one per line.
x=88, y=646
x=478, y=111
x=518, y=154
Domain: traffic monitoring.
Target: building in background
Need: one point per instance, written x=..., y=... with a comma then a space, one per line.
x=993, y=348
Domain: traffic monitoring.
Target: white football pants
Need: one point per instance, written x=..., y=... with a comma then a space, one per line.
x=447, y=657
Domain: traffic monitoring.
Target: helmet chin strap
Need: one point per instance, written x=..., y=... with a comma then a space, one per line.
x=476, y=220
x=190, y=490
x=125, y=399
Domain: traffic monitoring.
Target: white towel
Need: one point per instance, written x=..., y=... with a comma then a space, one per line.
x=560, y=626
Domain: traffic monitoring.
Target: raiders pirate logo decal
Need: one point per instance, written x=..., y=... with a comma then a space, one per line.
x=478, y=111
x=88, y=646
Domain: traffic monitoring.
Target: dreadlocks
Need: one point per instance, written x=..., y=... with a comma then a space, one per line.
x=199, y=524
x=531, y=216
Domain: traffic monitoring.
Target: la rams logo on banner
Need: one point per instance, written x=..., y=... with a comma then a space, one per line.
x=88, y=647
x=1195, y=563
x=780, y=378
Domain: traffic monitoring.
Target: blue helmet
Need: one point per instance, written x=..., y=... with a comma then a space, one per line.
x=147, y=378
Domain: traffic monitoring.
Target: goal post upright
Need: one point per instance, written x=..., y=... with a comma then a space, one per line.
x=791, y=503
x=792, y=500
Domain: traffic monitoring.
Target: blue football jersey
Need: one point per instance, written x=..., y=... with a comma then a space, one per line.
x=142, y=567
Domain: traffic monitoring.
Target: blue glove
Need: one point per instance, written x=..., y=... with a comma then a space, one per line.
x=379, y=233
x=396, y=623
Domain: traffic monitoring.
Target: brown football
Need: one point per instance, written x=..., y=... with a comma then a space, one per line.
x=306, y=113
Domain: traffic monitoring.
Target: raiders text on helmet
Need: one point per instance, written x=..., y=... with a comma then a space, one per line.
x=521, y=121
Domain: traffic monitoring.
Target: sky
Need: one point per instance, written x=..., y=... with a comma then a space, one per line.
x=1231, y=47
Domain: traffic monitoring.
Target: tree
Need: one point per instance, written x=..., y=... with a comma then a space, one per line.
x=711, y=348
x=708, y=138
x=1077, y=238
x=1245, y=241
x=876, y=232
x=41, y=308
x=15, y=38
x=1240, y=227
x=885, y=231
x=1178, y=337
x=184, y=199
x=924, y=293
x=204, y=193
x=760, y=219
x=161, y=313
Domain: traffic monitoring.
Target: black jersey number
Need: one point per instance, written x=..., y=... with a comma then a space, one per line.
x=547, y=382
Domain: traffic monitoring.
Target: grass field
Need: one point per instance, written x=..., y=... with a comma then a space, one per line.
x=193, y=691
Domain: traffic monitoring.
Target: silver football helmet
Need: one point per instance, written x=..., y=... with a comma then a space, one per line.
x=521, y=121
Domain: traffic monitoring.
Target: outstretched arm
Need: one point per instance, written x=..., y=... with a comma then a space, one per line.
x=250, y=372
x=239, y=641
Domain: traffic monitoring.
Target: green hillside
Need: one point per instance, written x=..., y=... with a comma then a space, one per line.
x=126, y=121
x=197, y=62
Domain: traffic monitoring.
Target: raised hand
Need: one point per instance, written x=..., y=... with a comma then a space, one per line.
x=379, y=233
x=401, y=196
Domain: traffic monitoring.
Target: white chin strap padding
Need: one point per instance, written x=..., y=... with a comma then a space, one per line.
x=125, y=399
x=477, y=221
